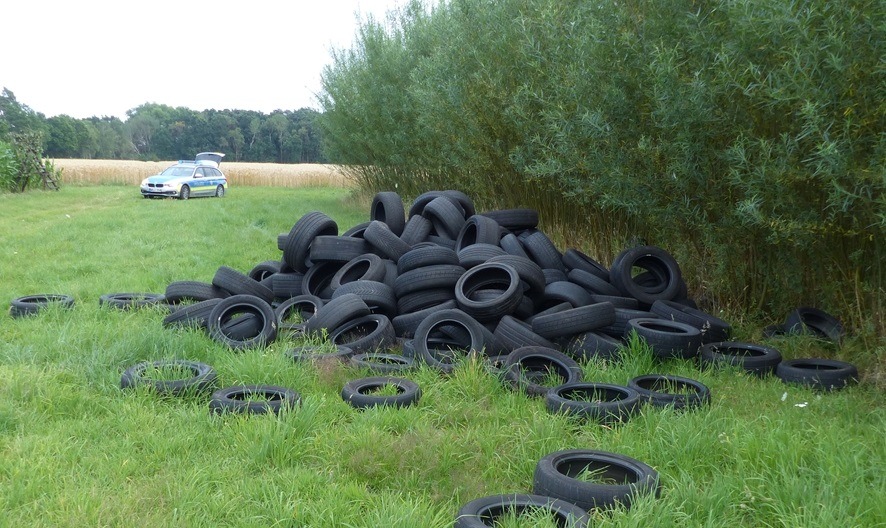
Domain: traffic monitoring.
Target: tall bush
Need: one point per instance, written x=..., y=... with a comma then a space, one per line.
x=746, y=136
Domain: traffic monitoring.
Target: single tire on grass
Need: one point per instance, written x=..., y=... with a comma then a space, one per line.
x=593, y=479
x=32, y=304
x=253, y=399
x=756, y=359
x=202, y=377
x=816, y=373
x=362, y=393
x=485, y=511
x=601, y=402
x=671, y=391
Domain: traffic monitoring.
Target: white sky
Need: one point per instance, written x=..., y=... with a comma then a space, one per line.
x=95, y=57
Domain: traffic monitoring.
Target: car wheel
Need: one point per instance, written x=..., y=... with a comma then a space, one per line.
x=220, y=191
x=185, y=193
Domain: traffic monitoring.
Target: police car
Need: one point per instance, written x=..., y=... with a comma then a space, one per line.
x=200, y=177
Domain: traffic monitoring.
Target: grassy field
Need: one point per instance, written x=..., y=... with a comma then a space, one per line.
x=130, y=172
x=75, y=450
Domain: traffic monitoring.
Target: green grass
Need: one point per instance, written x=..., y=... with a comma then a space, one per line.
x=75, y=450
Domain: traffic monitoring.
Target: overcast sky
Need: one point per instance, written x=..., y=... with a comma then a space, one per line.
x=101, y=58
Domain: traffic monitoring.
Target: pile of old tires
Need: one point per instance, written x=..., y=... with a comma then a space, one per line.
x=439, y=282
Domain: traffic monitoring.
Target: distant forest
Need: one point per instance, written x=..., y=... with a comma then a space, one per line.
x=160, y=132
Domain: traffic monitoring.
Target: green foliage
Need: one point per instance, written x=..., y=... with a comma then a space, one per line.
x=745, y=136
x=8, y=166
x=22, y=164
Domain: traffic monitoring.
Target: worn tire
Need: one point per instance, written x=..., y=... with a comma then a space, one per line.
x=656, y=389
x=668, y=339
x=196, y=315
x=333, y=248
x=423, y=335
x=653, y=259
x=574, y=321
x=526, y=366
x=236, y=283
x=179, y=292
x=428, y=278
x=335, y=313
x=513, y=333
x=601, y=402
x=479, y=513
x=263, y=270
x=358, y=392
x=417, y=230
x=424, y=256
x=556, y=475
x=378, y=296
x=382, y=363
x=712, y=328
x=130, y=301
x=302, y=235
x=478, y=229
x=756, y=359
x=235, y=306
x=203, y=378
x=387, y=207
x=237, y=400
x=370, y=332
x=492, y=275
x=822, y=374
x=806, y=320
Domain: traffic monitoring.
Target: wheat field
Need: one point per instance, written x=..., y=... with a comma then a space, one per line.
x=129, y=172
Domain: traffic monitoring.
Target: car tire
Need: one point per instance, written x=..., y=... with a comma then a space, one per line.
x=335, y=313
x=225, y=312
x=358, y=392
x=371, y=332
x=452, y=317
x=196, y=315
x=302, y=235
x=483, y=512
x=129, y=301
x=240, y=400
x=601, y=402
x=668, y=339
x=513, y=333
x=319, y=354
x=821, y=374
x=179, y=292
x=713, y=329
x=31, y=304
x=574, y=321
x=756, y=359
x=184, y=193
x=236, y=283
x=812, y=321
x=387, y=207
x=220, y=191
x=690, y=394
x=556, y=475
x=382, y=363
x=525, y=367
x=203, y=378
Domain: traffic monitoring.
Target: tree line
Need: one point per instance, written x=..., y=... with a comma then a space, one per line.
x=161, y=132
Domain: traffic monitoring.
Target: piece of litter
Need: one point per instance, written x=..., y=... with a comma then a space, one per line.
x=801, y=405
x=784, y=396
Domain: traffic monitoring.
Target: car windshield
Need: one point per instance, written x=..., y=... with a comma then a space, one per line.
x=178, y=171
